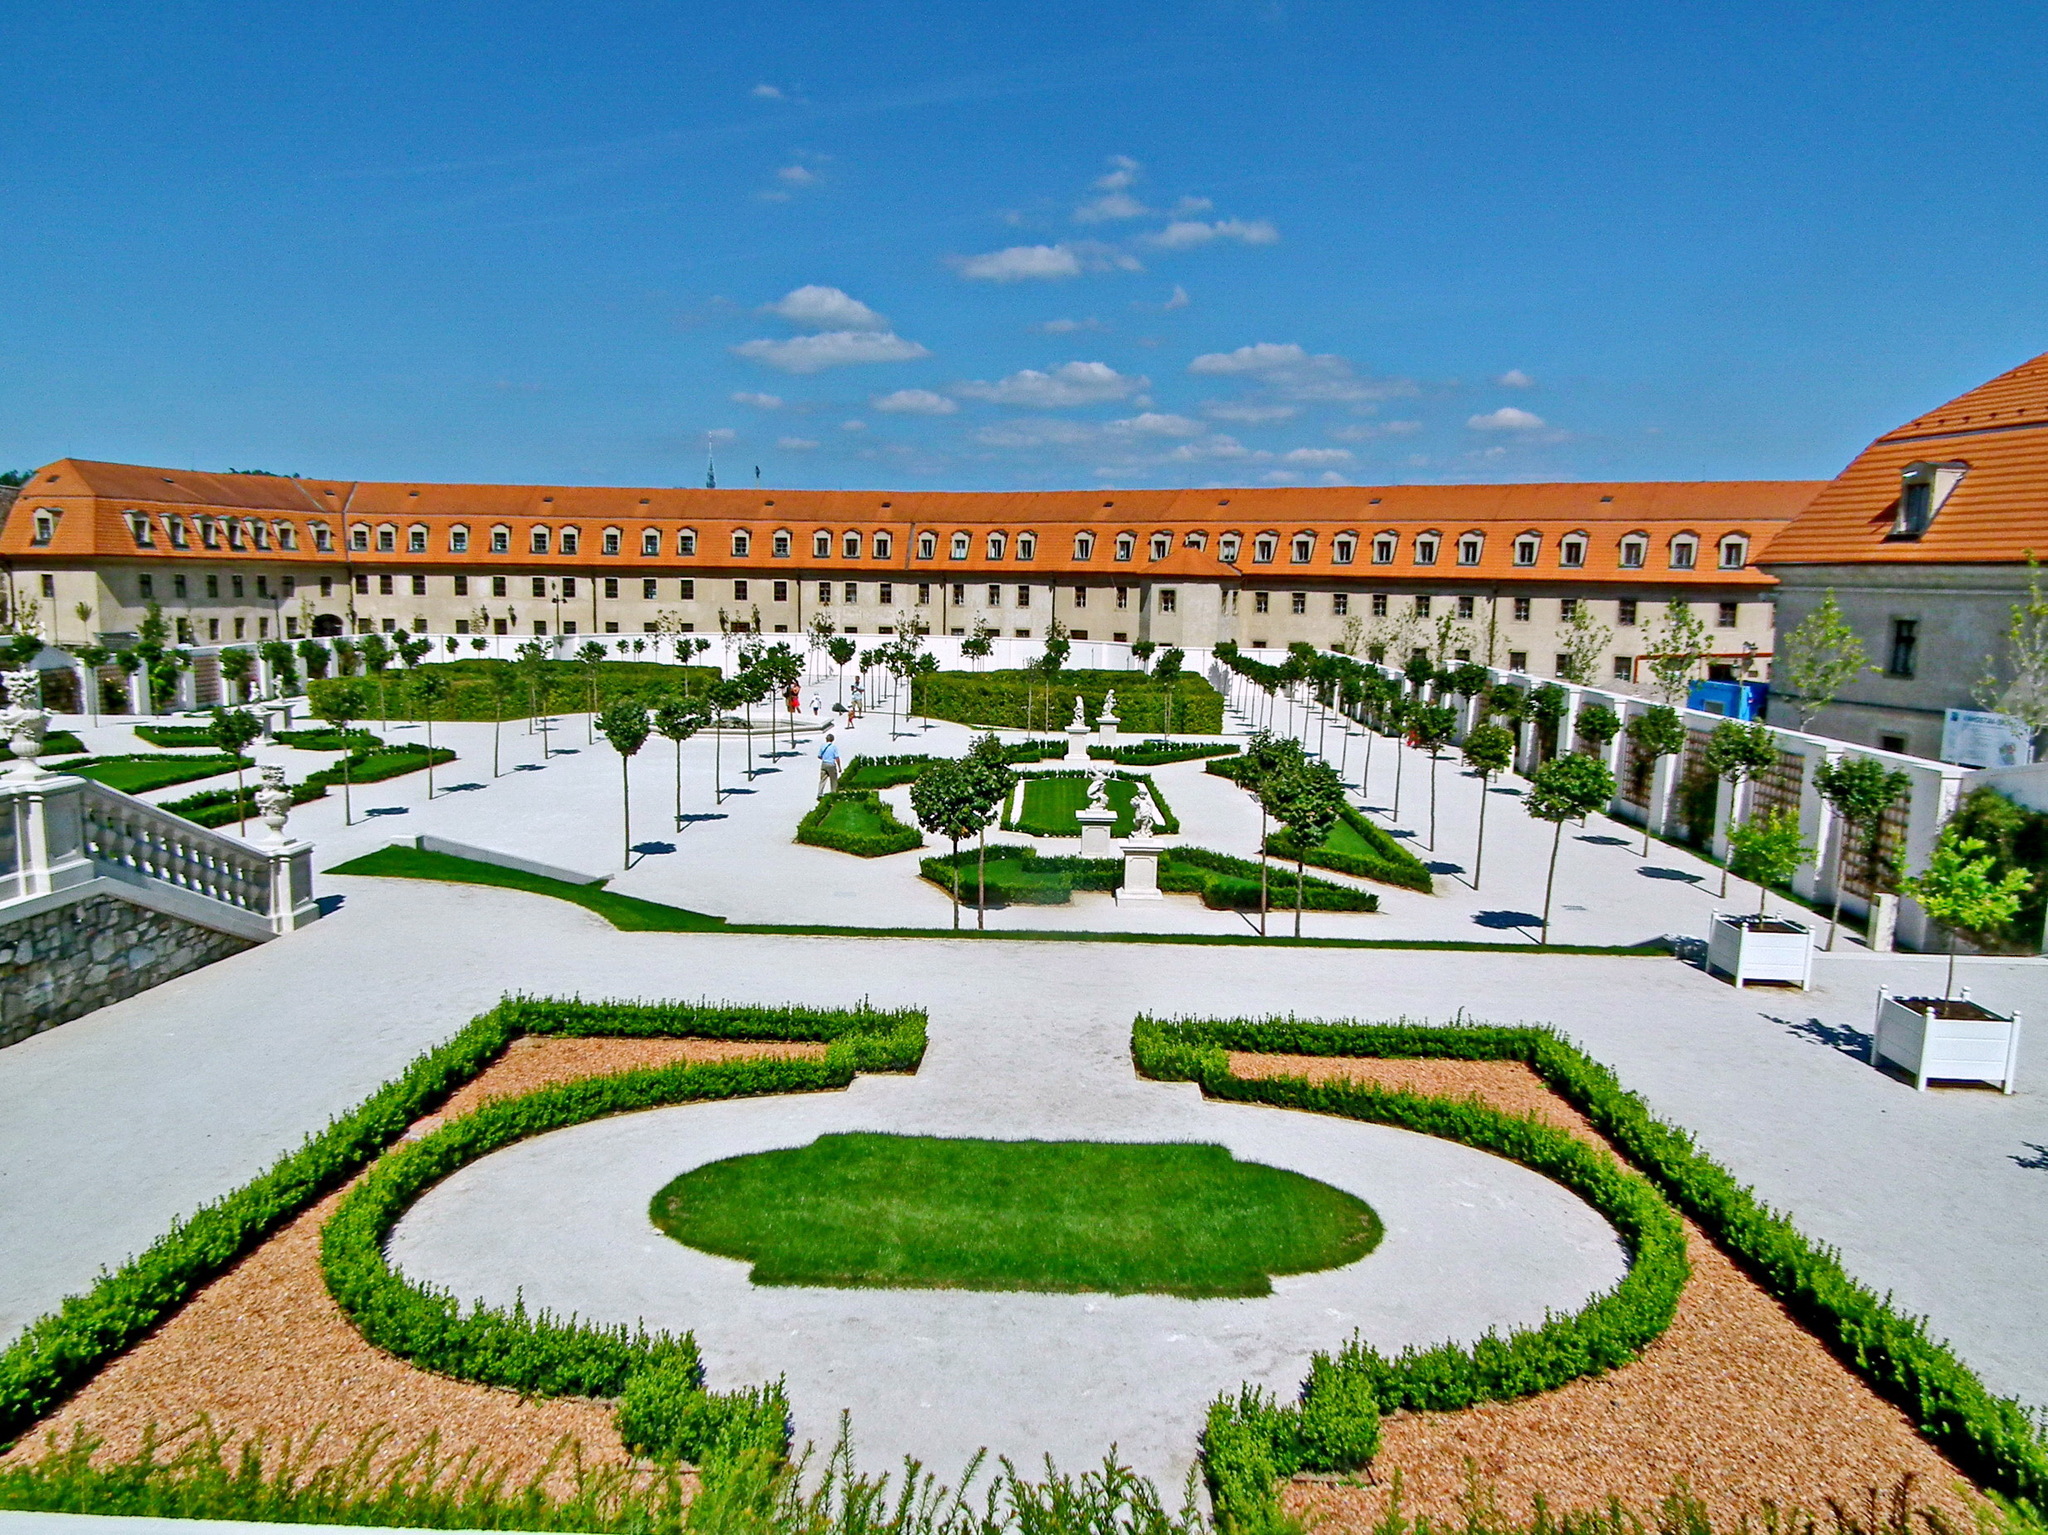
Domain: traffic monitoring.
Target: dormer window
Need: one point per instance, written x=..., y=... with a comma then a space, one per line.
x=569, y=540
x=287, y=536
x=538, y=541
x=1923, y=488
x=1343, y=549
x=1304, y=548
x=416, y=539
x=1027, y=546
x=1734, y=552
x=138, y=529
x=612, y=538
x=387, y=540
x=1084, y=546
x=1470, y=547
x=686, y=542
x=927, y=545
x=1685, y=552
x=323, y=537
x=821, y=545
x=1126, y=545
x=849, y=545
x=958, y=546
x=780, y=544
x=1635, y=550
x=1527, y=547
x=1161, y=545
x=1227, y=548
x=882, y=546
x=234, y=534
x=260, y=532
x=46, y=527
x=458, y=540
x=1265, y=548
x=1427, y=547
x=1196, y=540
x=1384, y=546
x=996, y=544
x=742, y=544
x=358, y=538
x=1571, y=551
x=650, y=543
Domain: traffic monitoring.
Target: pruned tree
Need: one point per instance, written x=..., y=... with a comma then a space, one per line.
x=1597, y=725
x=237, y=666
x=625, y=725
x=1569, y=788
x=1432, y=727
x=993, y=778
x=1736, y=753
x=1861, y=790
x=1818, y=658
x=429, y=688
x=341, y=705
x=950, y=800
x=233, y=730
x=1766, y=849
x=1306, y=796
x=1679, y=644
x=1656, y=732
x=1489, y=751
x=2021, y=693
x=677, y=718
x=1956, y=889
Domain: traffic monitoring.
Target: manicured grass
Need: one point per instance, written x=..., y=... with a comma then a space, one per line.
x=858, y=822
x=915, y=1212
x=140, y=773
x=1052, y=803
x=626, y=912
x=56, y=743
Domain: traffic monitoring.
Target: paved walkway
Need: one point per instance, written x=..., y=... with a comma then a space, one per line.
x=1472, y=1243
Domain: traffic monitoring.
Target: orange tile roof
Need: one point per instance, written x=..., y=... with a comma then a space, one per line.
x=1996, y=513
x=102, y=495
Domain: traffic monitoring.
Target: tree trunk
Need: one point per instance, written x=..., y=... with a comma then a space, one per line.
x=1948, y=987
x=430, y=759
x=496, y=720
x=981, y=883
x=956, y=884
x=1479, y=853
x=626, y=803
x=1550, y=882
x=1262, y=868
x=717, y=763
x=241, y=805
x=1399, y=757
x=1300, y=892
x=1835, y=910
x=1432, y=800
x=679, y=783
x=347, y=811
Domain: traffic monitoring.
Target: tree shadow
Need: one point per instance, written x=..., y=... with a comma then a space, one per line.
x=388, y=810
x=1399, y=831
x=1656, y=872
x=565, y=751
x=2038, y=1162
x=526, y=767
x=1504, y=789
x=461, y=788
x=1608, y=841
x=701, y=815
x=1507, y=921
x=653, y=847
x=1842, y=1037
x=1440, y=867
x=329, y=904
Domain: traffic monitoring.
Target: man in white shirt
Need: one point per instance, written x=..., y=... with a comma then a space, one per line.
x=828, y=766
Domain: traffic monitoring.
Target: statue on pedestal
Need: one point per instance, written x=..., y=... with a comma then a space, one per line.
x=1079, y=723
x=273, y=799
x=1108, y=705
x=1144, y=814
x=24, y=720
x=1098, y=788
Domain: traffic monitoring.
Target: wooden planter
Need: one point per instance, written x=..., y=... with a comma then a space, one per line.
x=1748, y=948
x=1950, y=1040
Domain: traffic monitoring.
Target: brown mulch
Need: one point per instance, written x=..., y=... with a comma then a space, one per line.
x=264, y=1351
x=1737, y=1401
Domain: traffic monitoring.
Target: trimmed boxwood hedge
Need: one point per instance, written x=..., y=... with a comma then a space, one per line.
x=881, y=833
x=1024, y=822
x=1990, y=1438
x=1391, y=863
x=1159, y=753
x=217, y=807
x=62, y=743
x=1016, y=700
x=59, y=1352
x=884, y=772
x=1019, y=876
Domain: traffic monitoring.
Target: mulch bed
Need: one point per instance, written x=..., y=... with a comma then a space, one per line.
x=1737, y=1402
x=265, y=1353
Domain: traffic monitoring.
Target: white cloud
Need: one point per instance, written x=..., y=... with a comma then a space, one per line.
x=1046, y=432
x=767, y=93
x=1178, y=299
x=1153, y=423
x=795, y=444
x=1297, y=374
x=853, y=426
x=1071, y=383
x=757, y=400
x=820, y=308
x=1067, y=327
x=1507, y=419
x=1515, y=378
x=1108, y=207
x=1316, y=456
x=1248, y=412
x=1191, y=205
x=1218, y=447
x=1021, y=263
x=1182, y=234
x=721, y=434
x=1259, y=357
x=913, y=402
x=831, y=349
x=1125, y=172
x=797, y=175
x=1366, y=431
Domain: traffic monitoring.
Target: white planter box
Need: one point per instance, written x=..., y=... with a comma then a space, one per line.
x=1748, y=948
x=1953, y=1041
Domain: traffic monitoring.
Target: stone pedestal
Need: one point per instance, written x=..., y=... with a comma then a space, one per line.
x=1077, y=738
x=1107, y=724
x=1095, y=825
x=1141, y=871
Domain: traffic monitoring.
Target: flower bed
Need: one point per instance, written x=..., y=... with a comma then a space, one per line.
x=1357, y=846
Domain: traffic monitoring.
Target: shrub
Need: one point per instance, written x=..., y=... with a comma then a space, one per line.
x=1048, y=821
x=176, y=735
x=1020, y=877
x=61, y=742
x=564, y=688
x=667, y=1415
x=329, y=739
x=857, y=821
x=1389, y=862
x=1010, y=699
x=883, y=772
x=1159, y=753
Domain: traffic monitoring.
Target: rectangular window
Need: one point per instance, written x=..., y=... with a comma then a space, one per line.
x=145, y=586
x=1466, y=606
x=540, y=586
x=568, y=590
x=1080, y=596
x=1521, y=610
x=1624, y=668
x=461, y=586
x=177, y=586
x=1023, y=596
x=1518, y=660
x=1567, y=608
x=611, y=628
x=1730, y=612
x=1340, y=604
x=611, y=586
x=569, y=625
x=1297, y=602
x=924, y=594
x=327, y=586
x=497, y=586
x=995, y=596
x=1123, y=596
x=1916, y=508
x=540, y=626
x=1905, y=648
x=824, y=591
x=1379, y=604
x=419, y=586
x=362, y=585
x=650, y=588
x=1262, y=602
x=885, y=593
x=384, y=586
x=739, y=591
x=1168, y=599
x=687, y=590
x=1564, y=665
x=1891, y=744
x=1422, y=606
x=781, y=591
x=1625, y=612
x=851, y=591
x=213, y=628
x=49, y=586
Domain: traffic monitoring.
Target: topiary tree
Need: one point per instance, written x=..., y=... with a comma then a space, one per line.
x=1736, y=753
x=1957, y=890
x=316, y=657
x=842, y=650
x=284, y=668
x=1547, y=706
x=1265, y=756
x=1767, y=849
x=429, y=688
x=1306, y=797
x=950, y=800
x=993, y=778
x=1569, y=788
x=625, y=725
x=1468, y=679
x=341, y=705
x=677, y=719
x=1432, y=726
x=1656, y=732
x=234, y=729
x=1860, y=790
x=1489, y=751
x=237, y=665
x=1420, y=671
x=1597, y=725
x=592, y=655
x=1141, y=652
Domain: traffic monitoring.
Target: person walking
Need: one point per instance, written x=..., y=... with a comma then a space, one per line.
x=828, y=766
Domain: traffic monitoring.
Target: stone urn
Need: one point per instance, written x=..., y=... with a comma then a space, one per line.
x=24, y=721
x=273, y=801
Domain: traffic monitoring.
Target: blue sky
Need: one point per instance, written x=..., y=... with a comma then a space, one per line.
x=984, y=246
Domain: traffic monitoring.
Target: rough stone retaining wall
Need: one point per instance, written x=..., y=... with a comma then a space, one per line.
x=64, y=963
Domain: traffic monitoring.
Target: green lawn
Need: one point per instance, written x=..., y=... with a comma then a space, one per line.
x=914, y=1212
x=857, y=821
x=628, y=913
x=1051, y=805
x=140, y=773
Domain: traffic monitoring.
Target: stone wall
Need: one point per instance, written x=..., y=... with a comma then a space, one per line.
x=64, y=963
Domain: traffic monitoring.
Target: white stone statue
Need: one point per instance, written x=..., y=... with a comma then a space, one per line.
x=1108, y=705
x=1098, y=788
x=24, y=721
x=1080, y=723
x=273, y=799
x=1144, y=814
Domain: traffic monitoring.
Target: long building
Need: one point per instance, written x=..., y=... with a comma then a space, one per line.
x=1488, y=572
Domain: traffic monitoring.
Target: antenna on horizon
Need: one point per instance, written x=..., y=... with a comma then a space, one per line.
x=710, y=465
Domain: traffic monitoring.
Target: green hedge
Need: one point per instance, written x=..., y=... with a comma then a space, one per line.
x=565, y=687
x=1017, y=700
x=176, y=735
x=1041, y=825
x=1389, y=862
x=884, y=772
x=1018, y=876
x=327, y=739
x=857, y=821
x=140, y=772
x=1991, y=1439
x=1158, y=753
x=60, y=742
x=59, y=1352
x=218, y=807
